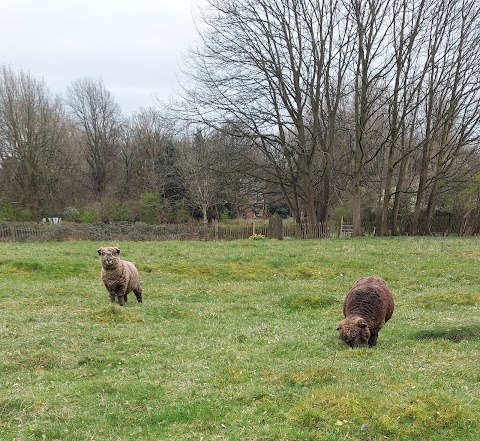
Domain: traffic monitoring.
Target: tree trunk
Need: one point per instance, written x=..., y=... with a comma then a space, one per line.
x=398, y=194
x=356, y=211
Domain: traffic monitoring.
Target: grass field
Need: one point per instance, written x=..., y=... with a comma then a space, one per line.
x=237, y=341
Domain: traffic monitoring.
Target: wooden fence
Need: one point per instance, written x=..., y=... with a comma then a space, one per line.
x=442, y=224
x=253, y=230
x=28, y=232
x=20, y=233
x=124, y=231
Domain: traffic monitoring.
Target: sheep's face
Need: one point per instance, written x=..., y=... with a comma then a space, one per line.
x=354, y=331
x=109, y=256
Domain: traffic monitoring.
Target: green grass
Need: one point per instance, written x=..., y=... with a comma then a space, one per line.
x=237, y=341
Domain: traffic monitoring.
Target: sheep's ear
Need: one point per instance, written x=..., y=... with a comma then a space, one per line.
x=362, y=325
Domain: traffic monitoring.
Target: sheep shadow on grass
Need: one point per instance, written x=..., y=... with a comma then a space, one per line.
x=454, y=334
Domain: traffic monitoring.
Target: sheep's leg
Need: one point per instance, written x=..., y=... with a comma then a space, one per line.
x=122, y=296
x=112, y=295
x=138, y=294
x=372, y=341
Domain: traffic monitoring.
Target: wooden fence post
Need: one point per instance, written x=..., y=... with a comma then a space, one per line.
x=275, y=227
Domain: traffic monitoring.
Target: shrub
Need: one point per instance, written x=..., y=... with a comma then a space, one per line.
x=6, y=213
x=23, y=215
x=71, y=214
x=121, y=212
x=87, y=216
x=150, y=206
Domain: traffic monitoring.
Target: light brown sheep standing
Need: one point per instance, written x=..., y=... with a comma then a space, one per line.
x=367, y=307
x=119, y=276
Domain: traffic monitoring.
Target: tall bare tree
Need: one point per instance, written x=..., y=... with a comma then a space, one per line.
x=406, y=79
x=337, y=43
x=372, y=25
x=261, y=68
x=99, y=120
x=457, y=117
x=451, y=116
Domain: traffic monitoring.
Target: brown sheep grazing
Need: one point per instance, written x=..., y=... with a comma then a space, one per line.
x=367, y=307
x=119, y=276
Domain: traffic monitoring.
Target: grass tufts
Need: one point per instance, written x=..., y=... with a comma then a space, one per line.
x=116, y=314
x=312, y=376
x=27, y=266
x=448, y=299
x=175, y=312
x=302, y=301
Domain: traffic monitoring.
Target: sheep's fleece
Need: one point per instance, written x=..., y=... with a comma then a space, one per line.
x=367, y=307
x=119, y=276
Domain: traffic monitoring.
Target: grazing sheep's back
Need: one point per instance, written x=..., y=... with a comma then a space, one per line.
x=371, y=299
x=120, y=277
x=367, y=307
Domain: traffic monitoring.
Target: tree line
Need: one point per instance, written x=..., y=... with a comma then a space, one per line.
x=367, y=104
x=80, y=158
x=365, y=109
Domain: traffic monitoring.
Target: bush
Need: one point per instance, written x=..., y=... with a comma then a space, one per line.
x=11, y=213
x=23, y=215
x=122, y=213
x=6, y=213
x=150, y=207
x=71, y=214
x=87, y=216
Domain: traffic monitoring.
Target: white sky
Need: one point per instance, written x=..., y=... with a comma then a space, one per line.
x=135, y=46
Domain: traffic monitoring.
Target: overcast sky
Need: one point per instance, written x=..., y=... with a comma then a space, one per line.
x=135, y=46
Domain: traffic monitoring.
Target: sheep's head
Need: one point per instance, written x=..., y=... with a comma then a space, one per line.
x=109, y=256
x=354, y=331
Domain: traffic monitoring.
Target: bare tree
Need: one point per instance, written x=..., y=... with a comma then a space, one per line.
x=33, y=141
x=372, y=26
x=451, y=116
x=99, y=121
x=261, y=69
x=333, y=39
x=129, y=164
x=196, y=163
x=406, y=43
x=296, y=77
x=457, y=115
x=151, y=135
